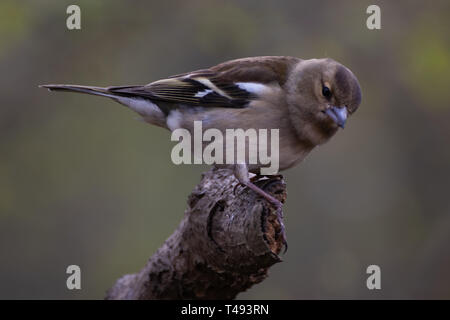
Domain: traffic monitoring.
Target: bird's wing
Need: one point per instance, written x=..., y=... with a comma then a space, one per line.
x=232, y=84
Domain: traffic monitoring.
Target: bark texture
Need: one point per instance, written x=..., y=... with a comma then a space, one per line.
x=226, y=242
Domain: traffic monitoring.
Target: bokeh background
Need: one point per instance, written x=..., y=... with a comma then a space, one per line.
x=82, y=182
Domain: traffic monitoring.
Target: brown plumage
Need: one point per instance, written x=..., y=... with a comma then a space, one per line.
x=307, y=100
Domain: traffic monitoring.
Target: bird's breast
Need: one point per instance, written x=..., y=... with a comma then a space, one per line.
x=264, y=130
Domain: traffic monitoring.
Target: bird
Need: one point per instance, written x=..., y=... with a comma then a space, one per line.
x=307, y=100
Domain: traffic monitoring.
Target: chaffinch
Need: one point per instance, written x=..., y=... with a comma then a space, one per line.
x=306, y=100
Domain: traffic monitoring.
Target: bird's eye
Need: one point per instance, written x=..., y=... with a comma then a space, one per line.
x=326, y=92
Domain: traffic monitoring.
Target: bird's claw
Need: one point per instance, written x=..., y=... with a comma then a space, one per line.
x=239, y=184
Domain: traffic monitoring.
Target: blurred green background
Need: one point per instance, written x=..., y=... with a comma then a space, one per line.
x=82, y=182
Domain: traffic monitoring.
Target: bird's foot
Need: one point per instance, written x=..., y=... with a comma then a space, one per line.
x=254, y=179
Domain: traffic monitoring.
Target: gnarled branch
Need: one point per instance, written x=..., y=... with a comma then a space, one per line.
x=226, y=242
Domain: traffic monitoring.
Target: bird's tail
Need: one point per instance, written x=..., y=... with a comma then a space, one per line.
x=98, y=91
x=137, y=100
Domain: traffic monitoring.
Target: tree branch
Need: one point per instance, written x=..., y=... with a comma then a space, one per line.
x=225, y=243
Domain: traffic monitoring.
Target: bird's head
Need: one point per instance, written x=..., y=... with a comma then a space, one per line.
x=323, y=94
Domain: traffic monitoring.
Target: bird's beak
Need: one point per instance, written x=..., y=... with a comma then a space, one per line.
x=338, y=114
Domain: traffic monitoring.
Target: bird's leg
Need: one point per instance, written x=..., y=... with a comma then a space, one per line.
x=241, y=173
